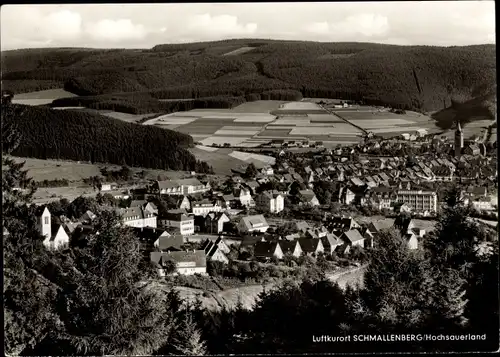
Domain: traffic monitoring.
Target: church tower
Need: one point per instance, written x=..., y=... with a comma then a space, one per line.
x=44, y=223
x=459, y=140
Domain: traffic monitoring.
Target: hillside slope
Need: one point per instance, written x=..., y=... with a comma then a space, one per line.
x=412, y=77
x=481, y=107
x=71, y=135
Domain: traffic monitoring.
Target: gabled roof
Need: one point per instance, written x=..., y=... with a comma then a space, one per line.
x=56, y=228
x=168, y=242
x=265, y=249
x=250, y=240
x=40, y=210
x=198, y=257
x=357, y=181
x=255, y=221
x=309, y=245
x=177, y=215
x=217, y=216
x=378, y=226
x=353, y=235
x=288, y=247
x=252, y=184
x=307, y=194
x=149, y=234
x=330, y=240
x=131, y=212
x=138, y=203
x=341, y=222
x=178, y=183
x=384, y=176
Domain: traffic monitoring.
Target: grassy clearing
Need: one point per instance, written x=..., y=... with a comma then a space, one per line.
x=44, y=94
x=199, y=128
x=239, y=51
x=221, y=140
x=221, y=162
x=248, y=133
x=129, y=118
x=300, y=106
x=41, y=170
x=75, y=172
x=259, y=106
x=380, y=124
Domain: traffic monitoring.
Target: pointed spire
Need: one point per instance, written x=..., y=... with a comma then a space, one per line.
x=459, y=127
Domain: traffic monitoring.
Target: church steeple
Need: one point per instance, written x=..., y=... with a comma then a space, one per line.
x=459, y=140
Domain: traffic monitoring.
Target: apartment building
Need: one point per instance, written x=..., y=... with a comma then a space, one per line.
x=420, y=201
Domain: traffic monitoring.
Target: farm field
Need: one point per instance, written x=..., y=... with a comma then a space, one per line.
x=223, y=159
x=75, y=172
x=129, y=118
x=41, y=97
x=219, y=159
x=251, y=124
x=386, y=124
x=259, y=106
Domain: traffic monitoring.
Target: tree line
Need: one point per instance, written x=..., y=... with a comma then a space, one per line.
x=422, y=78
x=69, y=135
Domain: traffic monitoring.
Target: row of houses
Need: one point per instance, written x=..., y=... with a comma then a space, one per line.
x=339, y=238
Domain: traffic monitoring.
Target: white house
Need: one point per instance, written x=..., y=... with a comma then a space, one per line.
x=349, y=196
x=216, y=250
x=256, y=223
x=138, y=217
x=147, y=206
x=178, y=219
x=204, y=207
x=184, y=203
x=44, y=224
x=267, y=171
x=412, y=240
x=214, y=222
x=308, y=197
x=186, y=262
x=271, y=202
x=151, y=236
x=245, y=197
x=180, y=187
x=421, y=132
x=108, y=186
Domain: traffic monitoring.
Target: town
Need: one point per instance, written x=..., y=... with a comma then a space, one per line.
x=249, y=178
x=302, y=205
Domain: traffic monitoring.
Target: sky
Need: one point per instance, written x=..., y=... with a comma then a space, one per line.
x=440, y=23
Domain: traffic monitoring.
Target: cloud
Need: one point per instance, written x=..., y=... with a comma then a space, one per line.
x=220, y=25
x=31, y=26
x=318, y=27
x=115, y=30
x=145, y=25
x=350, y=28
x=62, y=24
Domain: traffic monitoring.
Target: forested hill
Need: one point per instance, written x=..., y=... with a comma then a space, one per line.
x=71, y=135
x=412, y=77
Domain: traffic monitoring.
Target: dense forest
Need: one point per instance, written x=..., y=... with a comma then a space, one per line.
x=422, y=78
x=143, y=103
x=71, y=135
